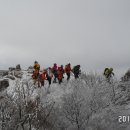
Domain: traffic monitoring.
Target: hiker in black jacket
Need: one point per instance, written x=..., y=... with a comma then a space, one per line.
x=76, y=71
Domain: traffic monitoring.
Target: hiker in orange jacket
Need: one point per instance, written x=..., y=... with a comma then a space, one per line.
x=35, y=76
x=68, y=70
x=43, y=78
x=60, y=74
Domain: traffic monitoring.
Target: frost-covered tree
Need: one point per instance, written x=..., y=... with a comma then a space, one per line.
x=91, y=94
x=76, y=110
x=91, y=104
x=126, y=77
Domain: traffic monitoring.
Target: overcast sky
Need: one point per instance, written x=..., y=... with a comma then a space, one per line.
x=93, y=33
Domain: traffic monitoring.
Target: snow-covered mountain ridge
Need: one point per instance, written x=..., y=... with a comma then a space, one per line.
x=88, y=103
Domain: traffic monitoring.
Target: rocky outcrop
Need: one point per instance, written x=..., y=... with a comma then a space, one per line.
x=5, y=73
x=30, y=69
x=10, y=77
x=126, y=77
x=18, y=67
x=14, y=74
x=11, y=68
x=4, y=83
x=18, y=74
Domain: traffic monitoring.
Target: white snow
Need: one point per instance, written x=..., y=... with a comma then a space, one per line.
x=53, y=93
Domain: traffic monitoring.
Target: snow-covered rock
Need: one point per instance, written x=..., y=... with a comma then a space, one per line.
x=11, y=68
x=126, y=77
x=30, y=69
x=4, y=83
x=18, y=67
x=10, y=77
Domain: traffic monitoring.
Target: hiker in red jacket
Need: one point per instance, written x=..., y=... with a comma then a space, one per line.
x=68, y=70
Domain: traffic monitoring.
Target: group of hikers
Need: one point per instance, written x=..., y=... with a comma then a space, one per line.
x=55, y=72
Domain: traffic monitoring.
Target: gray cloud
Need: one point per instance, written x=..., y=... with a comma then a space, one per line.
x=92, y=33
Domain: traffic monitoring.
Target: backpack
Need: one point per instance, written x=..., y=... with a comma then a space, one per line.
x=76, y=68
x=106, y=69
x=49, y=73
x=43, y=76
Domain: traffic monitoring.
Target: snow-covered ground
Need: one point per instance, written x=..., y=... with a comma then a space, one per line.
x=108, y=112
x=46, y=94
